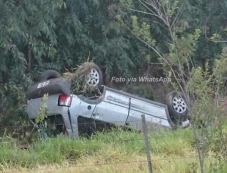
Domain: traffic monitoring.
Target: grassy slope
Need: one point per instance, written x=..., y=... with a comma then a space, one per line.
x=117, y=151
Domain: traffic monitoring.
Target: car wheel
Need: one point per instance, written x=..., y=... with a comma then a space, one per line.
x=94, y=78
x=48, y=74
x=177, y=107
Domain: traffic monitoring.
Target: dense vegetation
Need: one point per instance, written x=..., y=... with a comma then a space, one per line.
x=39, y=35
x=122, y=37
x=59, y=35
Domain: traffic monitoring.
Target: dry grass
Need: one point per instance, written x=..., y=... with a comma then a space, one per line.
x=120, y=164
x=81, y=70
x=133, y=164
x=78, y=78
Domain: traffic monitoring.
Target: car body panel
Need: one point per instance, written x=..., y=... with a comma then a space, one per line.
x=34, y=105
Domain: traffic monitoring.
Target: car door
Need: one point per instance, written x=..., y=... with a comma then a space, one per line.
x=113, y=109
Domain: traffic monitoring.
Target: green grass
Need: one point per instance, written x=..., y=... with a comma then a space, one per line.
x=115, y=151
x=51, y=151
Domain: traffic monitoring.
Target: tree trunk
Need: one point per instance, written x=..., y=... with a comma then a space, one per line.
x=204, y=62
x=28, y=56
x=4, y=78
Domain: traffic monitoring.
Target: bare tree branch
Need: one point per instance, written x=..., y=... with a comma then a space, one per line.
x=155, y=10
x=175, y=19
x=143, y=12
x=154, y=48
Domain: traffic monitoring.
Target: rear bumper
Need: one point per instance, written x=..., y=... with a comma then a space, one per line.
x=35, y=105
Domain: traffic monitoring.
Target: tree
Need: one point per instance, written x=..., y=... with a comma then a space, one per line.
x=40, y=35
x=24, y=25
x=181, y=51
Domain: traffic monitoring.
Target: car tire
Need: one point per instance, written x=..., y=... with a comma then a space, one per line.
x=95, y=77
x=48, y=74
x=177, y=108
x=54, y=86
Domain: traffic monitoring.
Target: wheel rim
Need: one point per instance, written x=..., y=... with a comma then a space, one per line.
x=93, y=78
x=179, y=104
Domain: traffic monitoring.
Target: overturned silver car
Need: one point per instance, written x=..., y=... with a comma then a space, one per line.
x=76, y=114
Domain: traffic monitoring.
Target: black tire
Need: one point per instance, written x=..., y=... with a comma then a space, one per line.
x=177, y=108
x=95, y=77
x=54, y=86
x=48, y=74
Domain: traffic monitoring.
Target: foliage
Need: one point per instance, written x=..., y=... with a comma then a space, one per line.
x=207, y=16
x=25, y=27
x=108, y=148
x=40, y=121
x=40, y=35
x=140, y=90
x=208, y=113
x=114, y=148
x=50, y=151
x=179, y=52
x=78, y=78
x=42, y=110
x=188, y=36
